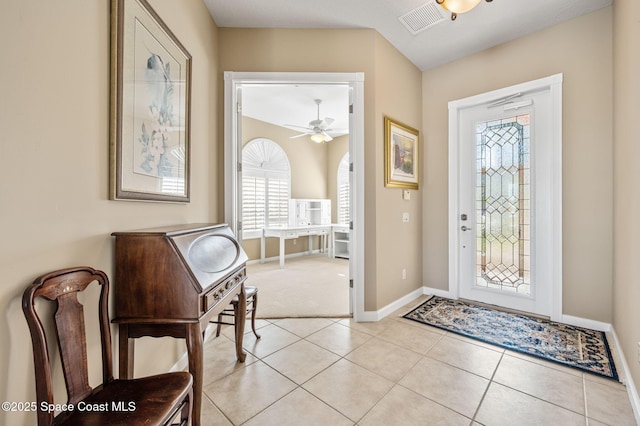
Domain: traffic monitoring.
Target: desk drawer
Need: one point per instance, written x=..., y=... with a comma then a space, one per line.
x=216, y=294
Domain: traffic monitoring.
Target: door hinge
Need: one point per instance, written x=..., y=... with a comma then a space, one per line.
x=351, y=109
x=239, y=167
x=350, y=283
x=239, y=226
x=351, y=225
x=238, y=107
x=350, y=167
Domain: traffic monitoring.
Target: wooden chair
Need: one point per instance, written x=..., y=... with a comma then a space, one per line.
x=154, y=400
x=252, y=304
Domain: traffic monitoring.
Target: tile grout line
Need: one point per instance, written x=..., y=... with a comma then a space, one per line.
x=300, y=385
x=397, y=382
x=484, y=394
x=341, y=356
x=555, y=404
x=584, y=395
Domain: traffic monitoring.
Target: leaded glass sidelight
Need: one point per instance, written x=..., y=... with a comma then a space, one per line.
x=503, y=205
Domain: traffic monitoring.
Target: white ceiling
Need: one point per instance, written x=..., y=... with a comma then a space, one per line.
x=489, y=24
x=295, y=104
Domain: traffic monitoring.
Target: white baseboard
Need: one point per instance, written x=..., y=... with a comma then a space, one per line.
x=438, y=292
x=625, y=377
x=394, y=306
x=182, y=364
x=373, y=316
x=585, y=323
x=286, y=256
x=369, y=316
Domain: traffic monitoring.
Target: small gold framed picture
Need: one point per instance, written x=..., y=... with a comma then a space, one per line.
x=401, y=159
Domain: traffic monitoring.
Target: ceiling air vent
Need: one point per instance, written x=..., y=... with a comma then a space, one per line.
x=422, y=17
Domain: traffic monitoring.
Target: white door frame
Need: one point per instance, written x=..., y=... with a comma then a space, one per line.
x=232, y=81
x=554, y=85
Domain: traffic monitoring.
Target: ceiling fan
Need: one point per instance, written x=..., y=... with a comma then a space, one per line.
x=317, y=128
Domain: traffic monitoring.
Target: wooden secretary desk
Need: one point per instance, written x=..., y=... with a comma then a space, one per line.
x=171, y=281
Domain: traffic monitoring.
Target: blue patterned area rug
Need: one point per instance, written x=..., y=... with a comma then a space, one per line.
x=571, y=346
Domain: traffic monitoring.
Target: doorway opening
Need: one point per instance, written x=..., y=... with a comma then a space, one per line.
x=505, y=192
x=292, y=225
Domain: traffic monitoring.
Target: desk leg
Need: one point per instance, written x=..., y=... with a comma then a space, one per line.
x=282, y=240
x=126, y=348
x=241, y=316
x=194, y=350
x=325, y=249
x=327, y=245
x=332, y=244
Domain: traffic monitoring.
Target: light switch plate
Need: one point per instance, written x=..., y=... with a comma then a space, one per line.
x=406, y=194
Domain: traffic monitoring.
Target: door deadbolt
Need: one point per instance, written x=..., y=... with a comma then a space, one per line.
x=463, y=217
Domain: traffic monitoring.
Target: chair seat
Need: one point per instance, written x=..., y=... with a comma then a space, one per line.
x=251, y=295
x=144, y=401
x=249, y=291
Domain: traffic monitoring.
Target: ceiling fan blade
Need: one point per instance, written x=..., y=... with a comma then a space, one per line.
x=298, y=128
x=327, y=121
x=300, y=135
x=327, y=137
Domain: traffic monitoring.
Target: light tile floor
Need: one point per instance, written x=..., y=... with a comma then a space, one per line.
x=319, y=371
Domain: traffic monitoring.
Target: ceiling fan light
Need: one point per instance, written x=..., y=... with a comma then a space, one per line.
x=317, y=138
x=458, y=6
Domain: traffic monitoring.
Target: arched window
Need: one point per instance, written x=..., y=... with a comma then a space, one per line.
x=266, y=186
x=343, y=191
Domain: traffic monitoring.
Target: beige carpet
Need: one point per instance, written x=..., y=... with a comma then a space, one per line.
x=308, y=286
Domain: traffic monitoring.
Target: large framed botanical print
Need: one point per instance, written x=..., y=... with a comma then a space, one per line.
x=150, y=99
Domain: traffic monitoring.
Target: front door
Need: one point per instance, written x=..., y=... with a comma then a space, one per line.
x=504, y=222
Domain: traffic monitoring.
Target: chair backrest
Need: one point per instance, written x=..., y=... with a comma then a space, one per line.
x=62, y=287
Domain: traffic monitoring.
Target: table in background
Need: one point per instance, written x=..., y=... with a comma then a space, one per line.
x=291, y=233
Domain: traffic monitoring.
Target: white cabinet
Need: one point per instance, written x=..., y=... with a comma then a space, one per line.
x=340, y=241
x=305, y=212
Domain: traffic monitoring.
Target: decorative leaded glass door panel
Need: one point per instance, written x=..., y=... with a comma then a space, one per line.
x=503, y=205
x=505, y=198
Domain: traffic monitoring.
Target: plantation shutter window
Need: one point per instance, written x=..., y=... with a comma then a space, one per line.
x=266, y=186
x=343, y=191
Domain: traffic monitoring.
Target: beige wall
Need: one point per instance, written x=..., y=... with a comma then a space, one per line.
x=308, y=161
x=398, y=245
x=626, y=268
x=361, y=50
x=54, y=118
x=581, y=49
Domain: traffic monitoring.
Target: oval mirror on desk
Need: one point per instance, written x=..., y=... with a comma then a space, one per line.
x=213, y=253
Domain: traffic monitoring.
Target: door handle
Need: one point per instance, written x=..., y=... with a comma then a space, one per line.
x=465, y=228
